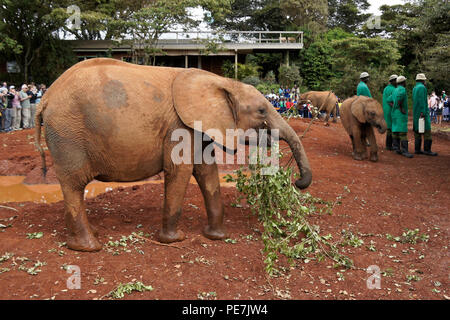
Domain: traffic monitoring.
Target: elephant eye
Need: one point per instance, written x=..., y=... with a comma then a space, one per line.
x=372, y=113
x=262, y=110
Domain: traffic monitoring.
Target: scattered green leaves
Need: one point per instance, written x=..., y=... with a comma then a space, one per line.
x=35, y=235
x=127, y=288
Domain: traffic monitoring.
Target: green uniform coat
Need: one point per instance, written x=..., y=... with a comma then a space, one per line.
x=363, y=90
x=400, y=120
x=387, y=109
x=420, y=104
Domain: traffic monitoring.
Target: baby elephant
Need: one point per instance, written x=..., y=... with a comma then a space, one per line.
x=358, y=116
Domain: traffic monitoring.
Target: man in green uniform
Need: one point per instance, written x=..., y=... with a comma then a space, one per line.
x=400, y=118
x=387, y=108
x=363, y=89
x=420, y=110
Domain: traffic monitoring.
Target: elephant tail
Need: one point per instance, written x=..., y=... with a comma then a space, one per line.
x=37, y=133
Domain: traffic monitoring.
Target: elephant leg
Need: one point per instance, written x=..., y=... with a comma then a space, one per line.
x=360, y=148
x=82, y=236
x=327, y=117
x=207, y=176
x=373, y=148
x=353, y=145
x=176, y=179
x=334, y=113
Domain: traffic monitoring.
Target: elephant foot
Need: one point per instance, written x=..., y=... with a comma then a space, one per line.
x=168, y=237
x=358, y=156
x=94, y=229
x=373, y=157
x=88, y=243
x=214, y=234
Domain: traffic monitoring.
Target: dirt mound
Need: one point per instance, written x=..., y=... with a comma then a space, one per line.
x=36, y=176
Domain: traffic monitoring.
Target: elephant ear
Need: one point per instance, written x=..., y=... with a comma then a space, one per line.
x=207, y=99
x=358, y=109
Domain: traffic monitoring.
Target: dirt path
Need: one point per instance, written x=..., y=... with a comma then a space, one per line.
x=385, y=198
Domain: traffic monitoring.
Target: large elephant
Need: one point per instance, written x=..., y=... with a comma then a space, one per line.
x=113, y=121
x=326, y=98
x=358, y=116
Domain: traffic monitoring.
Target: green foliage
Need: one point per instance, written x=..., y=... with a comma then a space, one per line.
x=252, y=80
x=244, y=70
x=127, y=288
x=35, y=235
x=283, y=213
x=289, y=75
x=270, y=77
x=266, y=88
x=347, y=14
x=354, y=55
x=409, y=236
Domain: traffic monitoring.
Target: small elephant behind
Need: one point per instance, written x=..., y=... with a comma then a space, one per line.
x=358, y=116
x=325, y=99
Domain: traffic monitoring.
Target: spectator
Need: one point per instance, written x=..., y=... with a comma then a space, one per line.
x=17, y=108
x=3, y=104
x=26, y=106
x=446, y=112
x=432, y=104
x=439, y=109
x=10, y=112
x=33, y=92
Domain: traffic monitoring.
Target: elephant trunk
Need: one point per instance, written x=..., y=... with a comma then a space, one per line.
x=288, y=134
x=381, y=126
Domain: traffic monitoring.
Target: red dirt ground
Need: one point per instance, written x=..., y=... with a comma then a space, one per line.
x=385, y=198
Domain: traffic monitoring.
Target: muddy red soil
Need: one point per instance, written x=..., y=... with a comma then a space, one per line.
x=384, y=198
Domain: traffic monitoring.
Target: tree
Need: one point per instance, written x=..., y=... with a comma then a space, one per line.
x=272, y=15
x=421, y=28
x=26, y=25
x=289, y=75
x=146, y=25
x=353, y=55
x=347, y=14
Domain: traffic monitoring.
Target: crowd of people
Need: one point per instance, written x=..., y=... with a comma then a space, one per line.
x=439, y=107
x=18, y=106
x=288, y=100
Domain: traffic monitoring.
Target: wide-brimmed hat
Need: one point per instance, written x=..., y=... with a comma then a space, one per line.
x=421, y=76
x=393, y=77
x=363, y=75
x=401, y=79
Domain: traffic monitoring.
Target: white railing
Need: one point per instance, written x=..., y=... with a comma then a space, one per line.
x=261, y=37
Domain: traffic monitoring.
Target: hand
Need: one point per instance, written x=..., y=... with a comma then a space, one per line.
x=421, y=114
x=402, y=111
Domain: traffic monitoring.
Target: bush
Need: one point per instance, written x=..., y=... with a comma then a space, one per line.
x=266, y=88
x=252, y=80
x=244, y=70
x=289, y=75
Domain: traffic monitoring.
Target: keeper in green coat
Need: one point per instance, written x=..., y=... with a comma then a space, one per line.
x=362, y=89
x=420, y=110
x=387, y=108
x=400, y=118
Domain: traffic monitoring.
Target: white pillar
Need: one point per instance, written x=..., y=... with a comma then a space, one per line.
x=235, y=64
x=186, y=61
